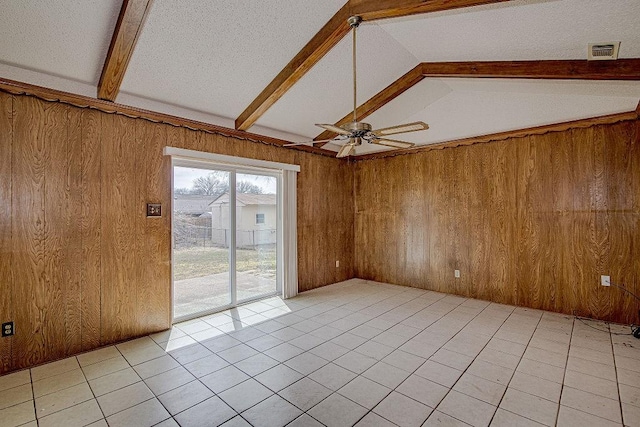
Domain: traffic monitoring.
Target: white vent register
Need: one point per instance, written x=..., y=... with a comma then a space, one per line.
x=603, y=51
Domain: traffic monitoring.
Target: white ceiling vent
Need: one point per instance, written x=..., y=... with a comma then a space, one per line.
x=603, y=51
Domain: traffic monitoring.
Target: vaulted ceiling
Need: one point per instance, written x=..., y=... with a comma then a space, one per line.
x=210, y=60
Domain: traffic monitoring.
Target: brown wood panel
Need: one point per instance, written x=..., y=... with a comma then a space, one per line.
x=6, y=252
x=90, y=227
x=118, y=223
x=532, y=220
x=29, y=158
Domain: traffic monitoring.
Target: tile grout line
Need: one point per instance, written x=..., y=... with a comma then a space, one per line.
x=516, y=370
x=615, y=369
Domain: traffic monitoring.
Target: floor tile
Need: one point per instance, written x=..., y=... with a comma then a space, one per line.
x=529, y=406
x=212, y=411
x=355, y=362
x=145, y=414
x=423, y=390
x=78, y=415
x=349, y=341
x=272, y=412
x=403, y=360
x=18, y=414
x=105, y=367
x=591, y=403
x=402, y=410
x=480, y=388
x=306, y=363
x=385, y=374
x=58, y=382
x=452, y=359
x=220, y=343
x=278, y=377
x=591, y=384
x=256, y=364
x=307, y=342
x=630, y=395
x=631, y=414
x=224, y=379
x=263, y=343
x=184, y=397
x=244, y=395
x=63, y=399
x=588, y=367
x=169, y=380
x=536, y=386
x=236, y=421
x=206, y=365
x=305, y=420
x=541, y=370
x=504, y=418
x=329, y=351
x=569, y=417
x=54, y=368
x=15, y=379
x=237, y=353
x=438, y=373
x=15, y=395
x=283, y=352
x=337, y=411
x=364, y=392
x=467, y=409
x=156, y=366
x=332, y=376
x=115, y=381
x=438, y=418
x=99, y=355
x=305, y=393
x=124, y=398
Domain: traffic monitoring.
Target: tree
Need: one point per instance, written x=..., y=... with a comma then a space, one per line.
x=247, y=187
x=213, y=184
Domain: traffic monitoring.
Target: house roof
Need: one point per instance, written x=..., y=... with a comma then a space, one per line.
x=246, y=199
x=191, y=204
x=208, y=61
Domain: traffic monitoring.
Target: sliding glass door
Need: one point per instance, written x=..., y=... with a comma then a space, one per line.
x=225, y=237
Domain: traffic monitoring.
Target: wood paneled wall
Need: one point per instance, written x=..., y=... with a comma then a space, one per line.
x=81, y=265
x=530, y=221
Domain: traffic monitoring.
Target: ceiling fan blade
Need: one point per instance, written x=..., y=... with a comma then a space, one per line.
x=334, y=128
x=409, y=127
x=293, y=144
x=393, y=143
x=346, y=150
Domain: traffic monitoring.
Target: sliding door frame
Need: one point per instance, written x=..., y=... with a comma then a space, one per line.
x=233, y=170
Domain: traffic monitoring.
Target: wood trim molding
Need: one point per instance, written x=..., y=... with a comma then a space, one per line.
x=621, y=69
x=371, y=10
x=387, y=94
x=53, y=95
x=537, y=130
x=128, y=27
x=329, y=36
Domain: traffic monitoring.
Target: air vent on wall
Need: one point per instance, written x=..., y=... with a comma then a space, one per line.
x=603, y=51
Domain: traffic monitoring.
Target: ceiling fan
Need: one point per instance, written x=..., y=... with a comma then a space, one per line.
x=355, y=132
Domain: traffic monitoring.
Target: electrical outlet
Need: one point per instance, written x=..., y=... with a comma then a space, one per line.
x=605, y=280
x=337, y=264
x=456, y=273
x=8, y=329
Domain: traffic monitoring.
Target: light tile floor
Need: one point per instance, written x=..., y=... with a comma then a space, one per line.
x=354, y=353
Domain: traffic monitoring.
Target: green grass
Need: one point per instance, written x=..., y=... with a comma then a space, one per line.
x=197, y=262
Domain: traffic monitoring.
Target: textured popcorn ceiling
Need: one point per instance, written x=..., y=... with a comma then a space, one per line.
x=208, y=60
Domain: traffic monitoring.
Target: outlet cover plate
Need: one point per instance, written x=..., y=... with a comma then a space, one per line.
x=8, y=329
x=605, y=280
x=456, y=273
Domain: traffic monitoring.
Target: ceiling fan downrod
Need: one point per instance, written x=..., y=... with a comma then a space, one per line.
x=354, y=22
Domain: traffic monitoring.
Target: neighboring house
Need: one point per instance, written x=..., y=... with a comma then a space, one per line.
x=195, y=205
x=256, y=219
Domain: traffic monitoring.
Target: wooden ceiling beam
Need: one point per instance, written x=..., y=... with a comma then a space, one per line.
x=329, y=36
x=128, y=27
x=383, y=97
x=370, y=10
x=621, y=69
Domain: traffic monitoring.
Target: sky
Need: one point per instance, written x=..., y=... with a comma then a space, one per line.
x=183, y=178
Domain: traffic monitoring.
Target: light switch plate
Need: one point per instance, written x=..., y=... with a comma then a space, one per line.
x=154, y=210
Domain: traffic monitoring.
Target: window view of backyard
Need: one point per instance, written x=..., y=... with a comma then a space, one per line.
x=202, y=239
